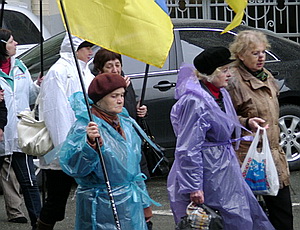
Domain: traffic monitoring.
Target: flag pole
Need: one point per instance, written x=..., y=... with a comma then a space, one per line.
x=144, y=85
x=2, y=13
x=109, y=189
x=41, y=75
x=41, y=39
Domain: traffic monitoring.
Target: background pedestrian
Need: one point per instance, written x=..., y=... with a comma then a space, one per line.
x=106, y=61
x=19, y=93
x=59, y=84
x=254, y=95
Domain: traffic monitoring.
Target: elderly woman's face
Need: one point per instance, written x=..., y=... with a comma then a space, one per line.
x=113, y=66
x=113, y=103
x=222, y=77
x=254, y=59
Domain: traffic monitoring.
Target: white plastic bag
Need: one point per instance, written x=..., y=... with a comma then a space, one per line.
x=259, y=169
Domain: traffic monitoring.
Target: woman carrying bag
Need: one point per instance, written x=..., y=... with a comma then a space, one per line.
x=19, y=93
x=206, y=169
x=254, y=94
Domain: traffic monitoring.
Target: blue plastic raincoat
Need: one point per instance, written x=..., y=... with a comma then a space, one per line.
x=205, y=159
x=122, y=157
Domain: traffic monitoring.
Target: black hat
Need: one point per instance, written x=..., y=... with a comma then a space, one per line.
x=212, y=58
x=85, y=44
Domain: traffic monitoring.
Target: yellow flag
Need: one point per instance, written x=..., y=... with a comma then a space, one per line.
x=136, y=28
x=238, y=7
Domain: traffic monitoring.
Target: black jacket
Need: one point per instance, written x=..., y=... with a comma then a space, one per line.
x=3, y=114
x=130, y=101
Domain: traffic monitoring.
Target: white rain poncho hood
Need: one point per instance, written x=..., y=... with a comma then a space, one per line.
x=65, y=47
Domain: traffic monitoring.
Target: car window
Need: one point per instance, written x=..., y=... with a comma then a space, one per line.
x=24, y=31
x=132, y=66
x=51, y=48
x=194, y=40
x=190, y=51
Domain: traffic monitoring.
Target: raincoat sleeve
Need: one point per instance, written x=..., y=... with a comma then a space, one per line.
x=34, y=89
x=77, y=158
x=56, y=110
x=190, y=126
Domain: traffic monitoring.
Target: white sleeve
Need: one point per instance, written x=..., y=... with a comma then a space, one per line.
x=54, y=105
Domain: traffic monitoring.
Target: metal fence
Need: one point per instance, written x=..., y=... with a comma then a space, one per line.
x=279, y=16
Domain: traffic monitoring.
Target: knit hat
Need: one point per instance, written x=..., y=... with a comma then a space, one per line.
x=104, y=84
x=211, y=58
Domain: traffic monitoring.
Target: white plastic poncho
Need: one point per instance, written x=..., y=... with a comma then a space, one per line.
x=59, y=84
x=122, y=157
x=205, y=159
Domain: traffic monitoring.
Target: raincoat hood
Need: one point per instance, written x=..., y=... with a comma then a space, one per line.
x=65, y=48
x=188, y=83
x=121, y=157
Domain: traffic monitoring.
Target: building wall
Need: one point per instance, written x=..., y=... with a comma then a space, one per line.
x=51, y=16
x=27, y=3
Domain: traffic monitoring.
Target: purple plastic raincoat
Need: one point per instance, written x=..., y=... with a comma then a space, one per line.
x=205, y=159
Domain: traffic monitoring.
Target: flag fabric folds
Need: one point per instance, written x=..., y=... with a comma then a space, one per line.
x=136, y=28
x=238, y=7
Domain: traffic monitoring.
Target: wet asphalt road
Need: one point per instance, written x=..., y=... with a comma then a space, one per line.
x=163, y=219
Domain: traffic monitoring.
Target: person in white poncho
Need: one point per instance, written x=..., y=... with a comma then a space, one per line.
x=61, y=81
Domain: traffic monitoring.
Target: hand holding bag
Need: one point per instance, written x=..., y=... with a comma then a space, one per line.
x=259, y=169
x=33, y=136
x=200, y=217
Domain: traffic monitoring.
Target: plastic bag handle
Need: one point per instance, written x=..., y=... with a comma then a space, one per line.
x=265, y=144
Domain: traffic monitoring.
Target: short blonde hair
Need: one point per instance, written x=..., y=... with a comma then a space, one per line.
x=245, y=40
x=209, y=78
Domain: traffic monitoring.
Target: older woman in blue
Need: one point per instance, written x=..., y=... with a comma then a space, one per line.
x=206, y=169
x=121, y=148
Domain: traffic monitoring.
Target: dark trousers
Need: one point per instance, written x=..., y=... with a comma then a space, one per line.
x=280, y=209
x=58, y=186
x=25, y=174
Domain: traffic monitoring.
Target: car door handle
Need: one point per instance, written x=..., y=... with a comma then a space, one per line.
x=164, y=85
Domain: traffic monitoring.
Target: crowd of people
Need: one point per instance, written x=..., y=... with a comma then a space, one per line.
x=221, y=97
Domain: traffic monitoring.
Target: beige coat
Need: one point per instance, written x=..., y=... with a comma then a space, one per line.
x=253, y=98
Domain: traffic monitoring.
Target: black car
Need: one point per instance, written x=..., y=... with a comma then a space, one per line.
x=190, y=38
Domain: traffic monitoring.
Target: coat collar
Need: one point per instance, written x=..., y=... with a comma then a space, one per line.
x=15, y=63
x=254, y=82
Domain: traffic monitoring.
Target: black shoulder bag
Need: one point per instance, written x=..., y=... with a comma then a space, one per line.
x=157, y=163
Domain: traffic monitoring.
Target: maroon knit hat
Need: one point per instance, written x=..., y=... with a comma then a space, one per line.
x=104, y=84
